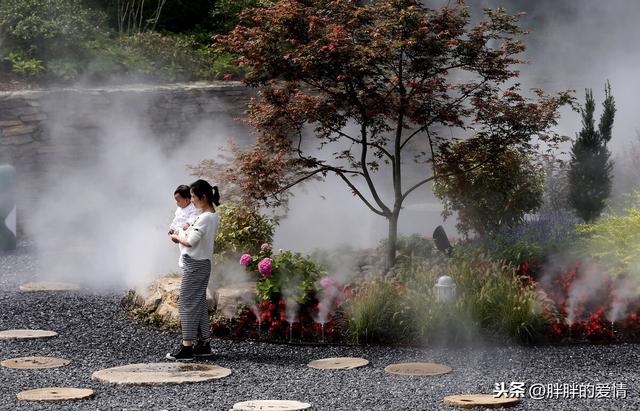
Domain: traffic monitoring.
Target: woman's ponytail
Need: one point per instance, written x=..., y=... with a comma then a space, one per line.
x=216, y=196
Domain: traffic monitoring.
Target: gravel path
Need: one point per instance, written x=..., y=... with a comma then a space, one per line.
x=96, y=334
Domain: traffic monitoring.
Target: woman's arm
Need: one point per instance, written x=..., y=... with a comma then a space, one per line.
x=177, y=239
x=196, y=231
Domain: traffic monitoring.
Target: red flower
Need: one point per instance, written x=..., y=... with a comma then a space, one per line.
x=227, y=76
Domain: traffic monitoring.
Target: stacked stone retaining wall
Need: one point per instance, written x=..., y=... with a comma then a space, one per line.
x=48, y=131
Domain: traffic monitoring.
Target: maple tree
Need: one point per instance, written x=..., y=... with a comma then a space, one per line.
x=387, y=84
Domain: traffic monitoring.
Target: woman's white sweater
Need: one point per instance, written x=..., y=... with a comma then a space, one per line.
x=201, y=235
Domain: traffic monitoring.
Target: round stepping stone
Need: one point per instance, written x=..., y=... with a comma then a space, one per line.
x=418, y=368
x=32, y=363
x=271, y=405
x=25, y=334
x=160, y=373
x=338, y=363
x=55, y=394
x=41, y=286
x=479, y=400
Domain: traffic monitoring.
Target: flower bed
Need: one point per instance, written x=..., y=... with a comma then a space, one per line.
x=593, y=306
x=295, y=301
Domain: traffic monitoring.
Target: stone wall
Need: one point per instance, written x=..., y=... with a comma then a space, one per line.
x=52, y=130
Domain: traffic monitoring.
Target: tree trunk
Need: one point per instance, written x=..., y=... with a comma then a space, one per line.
x=392, y=240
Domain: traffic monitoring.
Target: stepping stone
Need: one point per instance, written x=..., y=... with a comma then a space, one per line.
x=271, y=405
x=43, y=286
x=160, y=373
x=55, y=394
x=33, y=363
x=25, y=334
x=338, y=363
x=418, y=369
x=479, y=400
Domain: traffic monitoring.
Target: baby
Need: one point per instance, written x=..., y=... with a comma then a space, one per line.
x=185, y=213
x=185, y=210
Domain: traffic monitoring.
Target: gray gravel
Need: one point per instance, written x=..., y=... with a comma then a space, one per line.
x=95, y=333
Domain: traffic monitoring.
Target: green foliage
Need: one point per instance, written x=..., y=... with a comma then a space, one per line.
x=518, y=251
x=377, y=313
x=490, y=301
x=63, y=40
x=47, y=28
x=614, y=240
x=590, y=171
x=489, y=187
x=163, y=57
x=24, y=66
x=241, y=230
x=498, y=302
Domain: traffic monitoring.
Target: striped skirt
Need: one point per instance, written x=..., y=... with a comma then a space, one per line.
x=194, y=314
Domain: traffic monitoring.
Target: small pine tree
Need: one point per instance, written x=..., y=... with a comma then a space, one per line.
x=590, y=170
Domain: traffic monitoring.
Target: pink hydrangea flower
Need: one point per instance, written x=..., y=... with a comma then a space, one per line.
x=265, y=247
x=264, y=267
x=245, y=259
x=327, y=282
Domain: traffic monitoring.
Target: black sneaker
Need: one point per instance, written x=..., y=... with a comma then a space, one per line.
x=184, y=354
x=202, y=349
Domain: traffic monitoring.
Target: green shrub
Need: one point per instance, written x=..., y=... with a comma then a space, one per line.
x=48, y=28
x=614, y=240
x=23, y=66
x=241, y=230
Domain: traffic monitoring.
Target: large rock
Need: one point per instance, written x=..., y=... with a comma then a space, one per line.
x=162, y=298
x=230, y=296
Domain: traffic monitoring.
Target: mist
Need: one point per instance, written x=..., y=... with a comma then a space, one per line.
x=103, y=216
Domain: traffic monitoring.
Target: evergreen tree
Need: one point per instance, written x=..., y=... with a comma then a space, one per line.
x=590, y=171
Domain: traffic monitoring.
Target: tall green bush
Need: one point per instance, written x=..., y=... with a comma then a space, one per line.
x=241, y=230
x=591, y=167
